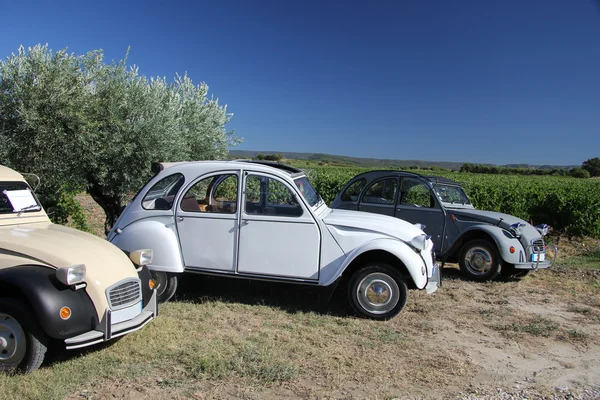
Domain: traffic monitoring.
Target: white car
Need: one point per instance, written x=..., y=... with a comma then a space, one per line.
x=259, y=220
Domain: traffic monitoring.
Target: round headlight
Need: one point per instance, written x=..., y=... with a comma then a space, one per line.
x=517, y=229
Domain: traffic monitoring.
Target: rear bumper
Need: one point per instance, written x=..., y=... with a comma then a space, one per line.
x=435, y=282
x=106, y=330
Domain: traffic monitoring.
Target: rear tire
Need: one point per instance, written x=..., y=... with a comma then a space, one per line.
x=23, y=344
x=377, y=291
x=479, y=260
x=166, y=285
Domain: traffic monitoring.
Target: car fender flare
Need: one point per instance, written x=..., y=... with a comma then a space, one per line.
x=158, y=234
x=502, y=239
x=406, y=254
x=46, y=296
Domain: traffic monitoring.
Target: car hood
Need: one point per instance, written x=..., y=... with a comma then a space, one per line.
x=372, y=224
x=490, y=217
x=59, y=246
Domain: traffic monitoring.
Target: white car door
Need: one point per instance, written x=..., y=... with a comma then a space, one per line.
x=207, y=222
x=278, y=235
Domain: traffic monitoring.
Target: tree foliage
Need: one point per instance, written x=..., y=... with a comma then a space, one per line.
x=592, y=166
x=82, y=124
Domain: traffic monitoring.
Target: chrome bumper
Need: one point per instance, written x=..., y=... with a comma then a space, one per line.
x=107, y=331
x=435, y=282
x=539, y=264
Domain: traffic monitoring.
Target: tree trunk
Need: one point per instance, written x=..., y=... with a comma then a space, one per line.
x=110, y=204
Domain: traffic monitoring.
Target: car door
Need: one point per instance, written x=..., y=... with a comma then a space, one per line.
x=380, y=196
x=207, y=222
x=278, y=234
x=417, y=204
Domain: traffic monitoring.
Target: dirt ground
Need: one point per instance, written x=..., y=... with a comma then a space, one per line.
x=538, y=338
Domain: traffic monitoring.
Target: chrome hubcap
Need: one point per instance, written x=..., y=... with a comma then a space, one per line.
x=478, y=260
x=12, y=340
x=378, y=293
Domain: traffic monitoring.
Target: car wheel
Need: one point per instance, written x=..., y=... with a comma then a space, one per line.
x=377, y=291
x=479, y=260
x=509, y=272
x=22, y=341
x=166, y=285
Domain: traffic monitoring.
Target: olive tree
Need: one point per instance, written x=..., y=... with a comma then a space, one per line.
x=82, y=124
x=592, y=166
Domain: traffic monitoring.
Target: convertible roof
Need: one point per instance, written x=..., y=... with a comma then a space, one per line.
x=158, y=166
x=275, y=164
x=430, y=178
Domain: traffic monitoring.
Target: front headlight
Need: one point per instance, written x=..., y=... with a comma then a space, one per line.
x=543, y=229
x=141, y=257
x=420, y=226
x=517, y=229
x=71, y=275
x=420, y=242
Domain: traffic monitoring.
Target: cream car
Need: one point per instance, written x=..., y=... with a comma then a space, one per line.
x=61, y=284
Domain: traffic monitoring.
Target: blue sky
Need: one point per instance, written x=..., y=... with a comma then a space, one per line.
x=475, y=81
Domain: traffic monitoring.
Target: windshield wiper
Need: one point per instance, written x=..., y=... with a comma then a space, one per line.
x=31, y=207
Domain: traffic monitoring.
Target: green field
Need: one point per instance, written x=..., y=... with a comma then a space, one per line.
x=571, y=206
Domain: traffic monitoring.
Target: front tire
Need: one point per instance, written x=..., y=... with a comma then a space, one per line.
x=166, y=285
x=22, y=341
x=377, y=291
x=479, y=260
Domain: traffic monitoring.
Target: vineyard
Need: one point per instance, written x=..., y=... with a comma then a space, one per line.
x=570, y=206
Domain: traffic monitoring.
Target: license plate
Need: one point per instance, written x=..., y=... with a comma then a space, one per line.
x=538, y=257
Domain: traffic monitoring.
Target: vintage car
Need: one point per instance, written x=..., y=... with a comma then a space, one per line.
x=484, y=243
x=265, y=221
x=60, y=284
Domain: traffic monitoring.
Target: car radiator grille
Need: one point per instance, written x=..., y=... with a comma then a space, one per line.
x=124, y=293
x=538, y=245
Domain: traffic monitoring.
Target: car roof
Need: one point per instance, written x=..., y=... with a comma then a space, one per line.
x=8, y=174
x=266, y=166
x=431, y=178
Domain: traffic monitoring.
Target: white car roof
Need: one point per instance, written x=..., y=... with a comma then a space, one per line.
x=193, y=167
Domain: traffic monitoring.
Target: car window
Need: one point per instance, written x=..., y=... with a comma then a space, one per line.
x=268, y=196
x=308, y=191
x=416, y=194
x=381, y=192
x=451, y=194
x=353, y=191
x=162, y=193
x=215, y=194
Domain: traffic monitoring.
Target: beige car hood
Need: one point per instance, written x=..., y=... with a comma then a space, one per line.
x=60, y=246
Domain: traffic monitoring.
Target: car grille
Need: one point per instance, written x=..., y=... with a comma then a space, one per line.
x=538, y=245
x=124, y=293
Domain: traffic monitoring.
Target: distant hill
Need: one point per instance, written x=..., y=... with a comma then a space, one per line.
x=374, y=162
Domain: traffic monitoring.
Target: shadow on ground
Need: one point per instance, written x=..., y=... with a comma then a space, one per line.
x=288, y=297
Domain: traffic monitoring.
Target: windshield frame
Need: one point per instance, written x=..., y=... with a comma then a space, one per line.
x=300, y=183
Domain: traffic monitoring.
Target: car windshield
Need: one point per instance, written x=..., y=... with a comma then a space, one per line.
x=308, y=191
x=17, y=197
x=451, y=194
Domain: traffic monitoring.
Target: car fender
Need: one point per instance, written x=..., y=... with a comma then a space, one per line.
x=502, y=239
x=46, y=296
x=407, y=255
x=158, y=234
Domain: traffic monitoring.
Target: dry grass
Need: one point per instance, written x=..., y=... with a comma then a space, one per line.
x=224, y=338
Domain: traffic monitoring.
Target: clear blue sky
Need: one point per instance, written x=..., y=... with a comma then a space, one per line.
x=476, y=81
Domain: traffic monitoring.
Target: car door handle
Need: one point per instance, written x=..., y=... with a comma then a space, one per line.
x=179, y=219
x=245, y=222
